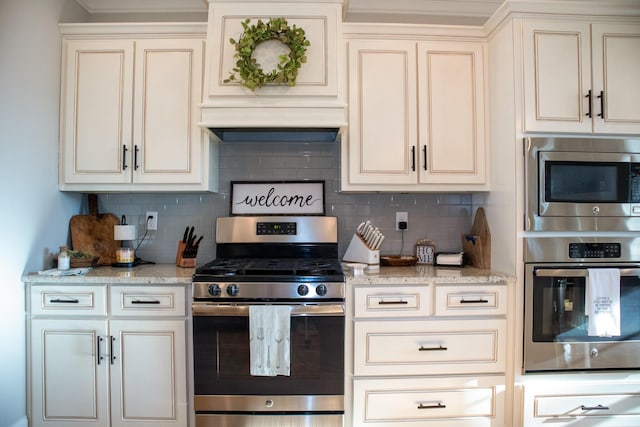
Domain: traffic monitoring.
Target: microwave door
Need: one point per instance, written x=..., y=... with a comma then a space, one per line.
x=584, y=184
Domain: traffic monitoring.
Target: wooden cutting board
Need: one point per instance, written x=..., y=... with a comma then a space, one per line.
x=94, y=233
x=477, y=244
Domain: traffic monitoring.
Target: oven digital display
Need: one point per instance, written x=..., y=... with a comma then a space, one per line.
x=594, y=250
x=276, y=228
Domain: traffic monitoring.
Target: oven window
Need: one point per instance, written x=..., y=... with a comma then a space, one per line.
x=582, y=182
x=559, y=310
x=222, y=359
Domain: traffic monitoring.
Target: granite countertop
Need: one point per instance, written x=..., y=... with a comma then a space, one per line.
x=142, y=274
x=421, y=274
x=171, y=274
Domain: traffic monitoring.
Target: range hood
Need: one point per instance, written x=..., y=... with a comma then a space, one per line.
x=275, y=134
x=313, y=110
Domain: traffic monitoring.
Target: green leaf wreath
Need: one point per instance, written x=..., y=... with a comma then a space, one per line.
x=247, y=71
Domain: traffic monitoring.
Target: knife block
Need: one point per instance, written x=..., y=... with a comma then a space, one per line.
x=358, y=251
x=180, y=260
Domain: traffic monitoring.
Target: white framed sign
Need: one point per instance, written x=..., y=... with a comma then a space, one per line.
x=277, y=198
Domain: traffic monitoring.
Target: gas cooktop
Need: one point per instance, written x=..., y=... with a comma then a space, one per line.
x=268, y=269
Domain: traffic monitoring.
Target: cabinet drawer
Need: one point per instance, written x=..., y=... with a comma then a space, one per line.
x=392, y=301
x=455, y=402
x=69, y=300
x=585, y=403
x=471, y=300
x=429, y=347
x=147, y=301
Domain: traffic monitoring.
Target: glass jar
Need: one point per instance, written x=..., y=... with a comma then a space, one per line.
x=64, y=260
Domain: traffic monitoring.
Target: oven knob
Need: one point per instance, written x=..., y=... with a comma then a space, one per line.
x=214, y=290
x=596, y=210
x=232, y=290
x=594, y=353
x=303, y=290
x=321, y=290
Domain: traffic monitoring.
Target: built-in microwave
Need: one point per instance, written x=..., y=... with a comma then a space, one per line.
x=580, y=184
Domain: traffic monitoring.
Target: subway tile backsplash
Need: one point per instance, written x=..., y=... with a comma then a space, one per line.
x=439, y=217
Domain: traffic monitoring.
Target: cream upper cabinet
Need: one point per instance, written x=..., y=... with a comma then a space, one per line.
x=416, y=117
x=129, y=115
x=451, y=113
x=383, y=120
x=581, y=77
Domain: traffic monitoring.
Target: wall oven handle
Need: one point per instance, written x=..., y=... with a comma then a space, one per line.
x=568, y=272
x=212, y=309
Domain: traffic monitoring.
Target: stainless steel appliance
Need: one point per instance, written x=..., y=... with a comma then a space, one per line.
x=289, y=261
x=580, y=184
x=555, y=325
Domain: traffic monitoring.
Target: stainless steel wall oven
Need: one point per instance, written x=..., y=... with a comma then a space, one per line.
x=270, y=261
x=556, y=323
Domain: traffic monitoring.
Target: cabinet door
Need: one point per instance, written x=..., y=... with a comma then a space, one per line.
x=557, y=76
x=451, y=113
x=616, y=77
x=148, y=374
x=382, y=112
x=167, y=142
x=69, y=379
x=95, y=128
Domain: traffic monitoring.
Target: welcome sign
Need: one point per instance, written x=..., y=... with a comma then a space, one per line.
x=277, y=198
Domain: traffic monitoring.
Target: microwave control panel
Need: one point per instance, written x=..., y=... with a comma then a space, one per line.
x=594, y=250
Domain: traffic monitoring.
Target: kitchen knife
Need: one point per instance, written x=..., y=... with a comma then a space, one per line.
x=186, y=233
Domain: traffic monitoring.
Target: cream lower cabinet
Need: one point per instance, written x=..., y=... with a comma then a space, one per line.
x=91, y=367
x=416, y=116
x=429, y=355
x=581, y=76
x=568, y=400
x=130, y=107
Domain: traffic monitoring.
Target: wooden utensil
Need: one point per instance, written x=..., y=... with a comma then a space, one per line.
x=94, y=233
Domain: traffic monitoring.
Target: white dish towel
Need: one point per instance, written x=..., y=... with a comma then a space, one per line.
x=270, y=340
x=602, y=302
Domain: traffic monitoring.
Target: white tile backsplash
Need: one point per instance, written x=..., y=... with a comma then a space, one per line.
x=440, y=217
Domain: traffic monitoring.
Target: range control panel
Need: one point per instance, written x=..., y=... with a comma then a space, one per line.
x=594, y=250
x=276, y=228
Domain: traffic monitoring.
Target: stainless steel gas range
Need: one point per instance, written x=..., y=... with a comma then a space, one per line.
x=276, y=262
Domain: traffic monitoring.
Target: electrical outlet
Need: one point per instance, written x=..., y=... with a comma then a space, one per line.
x=151, y=220
x=402, y=220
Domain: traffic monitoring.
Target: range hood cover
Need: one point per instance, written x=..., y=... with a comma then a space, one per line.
x=262, y=134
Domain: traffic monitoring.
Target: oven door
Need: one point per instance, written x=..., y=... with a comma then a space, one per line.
x=587, y=184
x=556, y=326
x=222, y=379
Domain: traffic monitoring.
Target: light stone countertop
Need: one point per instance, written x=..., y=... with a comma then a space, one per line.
x=171, y=274
x=156, y=274
x=423, y=274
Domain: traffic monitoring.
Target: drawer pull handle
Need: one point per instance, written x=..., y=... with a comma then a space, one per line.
x=137, y=301
x=436, y=406
x=65, y=301
x=474, y=301
x=594, y=408
x=439, y=348
x=383, y=302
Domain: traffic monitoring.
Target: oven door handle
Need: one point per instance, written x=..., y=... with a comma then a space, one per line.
x=568, y=272
x=212, y=309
